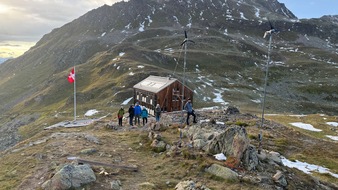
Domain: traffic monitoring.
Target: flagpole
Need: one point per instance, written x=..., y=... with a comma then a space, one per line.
x=74, y=95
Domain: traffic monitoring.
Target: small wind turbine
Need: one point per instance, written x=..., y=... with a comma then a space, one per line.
x=185, y=44
x=270, y=34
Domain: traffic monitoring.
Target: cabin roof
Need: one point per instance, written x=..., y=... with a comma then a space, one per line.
x=154, y=83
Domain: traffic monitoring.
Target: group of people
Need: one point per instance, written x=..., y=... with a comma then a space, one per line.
x=136, y=112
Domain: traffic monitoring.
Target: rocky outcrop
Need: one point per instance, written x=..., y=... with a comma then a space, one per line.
x=232, y=142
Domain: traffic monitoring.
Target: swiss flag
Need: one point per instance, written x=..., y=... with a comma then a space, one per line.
x=71, y=76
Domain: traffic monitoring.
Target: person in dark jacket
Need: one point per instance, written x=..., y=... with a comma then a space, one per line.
x=137, y=113
x=131, y=114
x=144, y=115
x=120, y=114
x=190, y=111
x=158, y=113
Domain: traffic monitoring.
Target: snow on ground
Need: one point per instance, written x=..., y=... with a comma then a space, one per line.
x=307, y=168
x=219, y=98
x=334, y=124
x=140, y=66
x=126, y=101
x=121, y=54
x=305, y=126
x=258, y=101
x=220, y=156
x=91, y=112
x=141, y=29
x=335, y=138
x=131, y=73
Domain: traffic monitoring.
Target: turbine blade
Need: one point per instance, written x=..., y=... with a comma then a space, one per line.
x=185, y=34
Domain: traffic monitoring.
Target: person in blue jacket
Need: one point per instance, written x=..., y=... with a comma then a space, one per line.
x=137, y=113
x=190, y=111
x=144, y=115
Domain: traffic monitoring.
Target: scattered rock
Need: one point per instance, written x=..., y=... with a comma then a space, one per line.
x=158, y=146
x=147, y=186
x=116, y=185
x=222, y=172
x=232, y=110
x=274, y=157
x=70, y=176
x=88, y=151
x=190, y=185
x=250, y=158
x=279, y=178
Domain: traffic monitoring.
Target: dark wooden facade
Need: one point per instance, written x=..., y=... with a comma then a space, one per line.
x=161, y=90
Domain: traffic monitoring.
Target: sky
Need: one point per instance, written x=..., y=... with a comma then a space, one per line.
x=311, y=8
x=24, y=22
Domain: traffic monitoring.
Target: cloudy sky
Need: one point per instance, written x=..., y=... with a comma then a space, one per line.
x=24, y=22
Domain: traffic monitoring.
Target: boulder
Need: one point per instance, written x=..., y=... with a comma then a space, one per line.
x=70, y=176
x=274, y=157
x=158, y=146
x=222, y=172
x=232, y=142
x=232, y=110
x=116, y=185
x=250, y=158
x=279, y=178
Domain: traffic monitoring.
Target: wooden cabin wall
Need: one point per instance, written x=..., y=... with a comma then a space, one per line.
x=169, y=98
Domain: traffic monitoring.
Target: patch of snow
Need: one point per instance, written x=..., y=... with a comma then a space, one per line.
x=176, y=19
x=121, y=54
x=128, y=26
x=305, y=126
x=141, y=29
x=140, y=66
x=220, y=156
x=204, y=121
x=225, y=32
x=126, y=101
x=335, y=138
x=131, y=73
x=103, y=34
x=242, y=16
x=149, y=19
x=210, y=108
x=256, y=101
x=334, y=124
x=307, y=168
x=91, y=112
x=118, y=67
x=219, y=98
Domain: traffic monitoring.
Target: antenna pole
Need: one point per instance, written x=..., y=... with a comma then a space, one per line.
x=260, y=136
x=183, y=82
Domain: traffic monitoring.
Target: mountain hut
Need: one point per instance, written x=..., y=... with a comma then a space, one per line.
x=165, y=91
